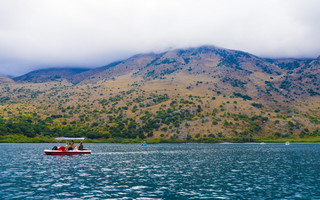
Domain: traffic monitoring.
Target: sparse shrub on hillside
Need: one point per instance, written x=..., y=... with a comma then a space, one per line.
x=314, y=119
x=94, y=124
x=244, y=97
x=189, y=137
x=234, y=82
x=134, y=109
x=4, y=99
x=168, y=61
x=312, y=92
x=115, y=98
x=186, y=101
x=289, y=66
x=214, y=122
x=286, y=84
x=199, y=109
x=277, y=134
x=164, y=129
x=160, y=98
x=187, y=60
x=257, y=105
x=304, y=132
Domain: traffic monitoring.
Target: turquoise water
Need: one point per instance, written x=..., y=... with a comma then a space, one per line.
x=162, y=171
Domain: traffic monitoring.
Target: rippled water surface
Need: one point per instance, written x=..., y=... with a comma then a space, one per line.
x=162, y=171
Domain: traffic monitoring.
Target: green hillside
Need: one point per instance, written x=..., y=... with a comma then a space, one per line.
x=204, y=94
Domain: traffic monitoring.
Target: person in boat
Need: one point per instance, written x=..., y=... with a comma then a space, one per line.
x=80, y=147
x=70, y=146
x=67, y=146
x=73, y=145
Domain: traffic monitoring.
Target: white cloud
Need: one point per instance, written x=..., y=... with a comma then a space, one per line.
x=37, y=33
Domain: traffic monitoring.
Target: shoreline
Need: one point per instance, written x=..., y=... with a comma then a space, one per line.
x=226, y=140
x=166, y=143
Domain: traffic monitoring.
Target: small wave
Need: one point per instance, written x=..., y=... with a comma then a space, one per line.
x=122, y=153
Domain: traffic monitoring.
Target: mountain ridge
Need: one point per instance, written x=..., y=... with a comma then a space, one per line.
x=49, y=74
x=92, y=73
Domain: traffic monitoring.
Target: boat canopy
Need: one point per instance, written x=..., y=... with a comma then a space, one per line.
x=67, y=138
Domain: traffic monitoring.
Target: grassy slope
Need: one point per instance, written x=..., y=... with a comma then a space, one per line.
x=88, y=97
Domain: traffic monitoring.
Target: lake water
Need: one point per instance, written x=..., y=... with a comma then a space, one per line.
x=162, y=171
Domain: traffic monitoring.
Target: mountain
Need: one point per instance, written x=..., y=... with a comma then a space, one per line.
x=289, y=76
x=52, y=74
x=203, y=92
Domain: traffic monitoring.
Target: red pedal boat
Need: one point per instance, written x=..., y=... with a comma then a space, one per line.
x=62, y=150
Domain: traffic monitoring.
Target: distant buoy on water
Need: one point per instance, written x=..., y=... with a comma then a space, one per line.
x=143, y=144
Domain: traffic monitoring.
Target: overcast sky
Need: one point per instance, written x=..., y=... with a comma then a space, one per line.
x=90, y=33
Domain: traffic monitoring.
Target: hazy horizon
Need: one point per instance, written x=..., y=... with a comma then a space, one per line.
x=80, y=33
